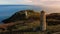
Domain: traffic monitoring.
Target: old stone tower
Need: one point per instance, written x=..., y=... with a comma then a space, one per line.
x=43, y=21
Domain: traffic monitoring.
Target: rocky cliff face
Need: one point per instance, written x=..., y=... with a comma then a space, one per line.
x=32, y=23
x=54, y=16
x=20, y=15
x=53, y=19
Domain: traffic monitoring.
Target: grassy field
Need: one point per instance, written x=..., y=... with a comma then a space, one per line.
x=30, y=28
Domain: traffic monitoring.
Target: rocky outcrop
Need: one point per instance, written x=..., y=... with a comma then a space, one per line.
x=54, y=16
x=53, y=19
x=20, y=15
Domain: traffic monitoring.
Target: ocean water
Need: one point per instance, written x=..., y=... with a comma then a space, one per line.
x=8, y=10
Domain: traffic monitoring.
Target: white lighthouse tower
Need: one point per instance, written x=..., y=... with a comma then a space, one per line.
x=43, y=21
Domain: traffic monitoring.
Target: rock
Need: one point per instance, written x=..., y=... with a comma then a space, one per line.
x=21, y=15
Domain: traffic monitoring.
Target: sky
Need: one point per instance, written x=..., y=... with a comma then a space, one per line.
x=31, y=2
x=48, y=3
x=45, y=3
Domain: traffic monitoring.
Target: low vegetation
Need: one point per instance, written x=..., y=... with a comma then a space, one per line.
x=32, y=24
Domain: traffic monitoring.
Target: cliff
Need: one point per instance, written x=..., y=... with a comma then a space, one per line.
x=53, y=19
x=32, y=22
x=21, y=16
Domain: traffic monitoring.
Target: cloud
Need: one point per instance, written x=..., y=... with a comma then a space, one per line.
x=47, y=2
x=15, y=2
x=32, y=2
x=51, y=2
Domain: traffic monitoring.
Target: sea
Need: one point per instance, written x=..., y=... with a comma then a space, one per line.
x=7, y=11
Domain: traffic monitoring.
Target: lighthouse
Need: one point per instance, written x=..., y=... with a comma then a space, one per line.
x=43, y=21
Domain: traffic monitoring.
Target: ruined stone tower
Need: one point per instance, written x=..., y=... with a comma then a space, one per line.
x=43, y=21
